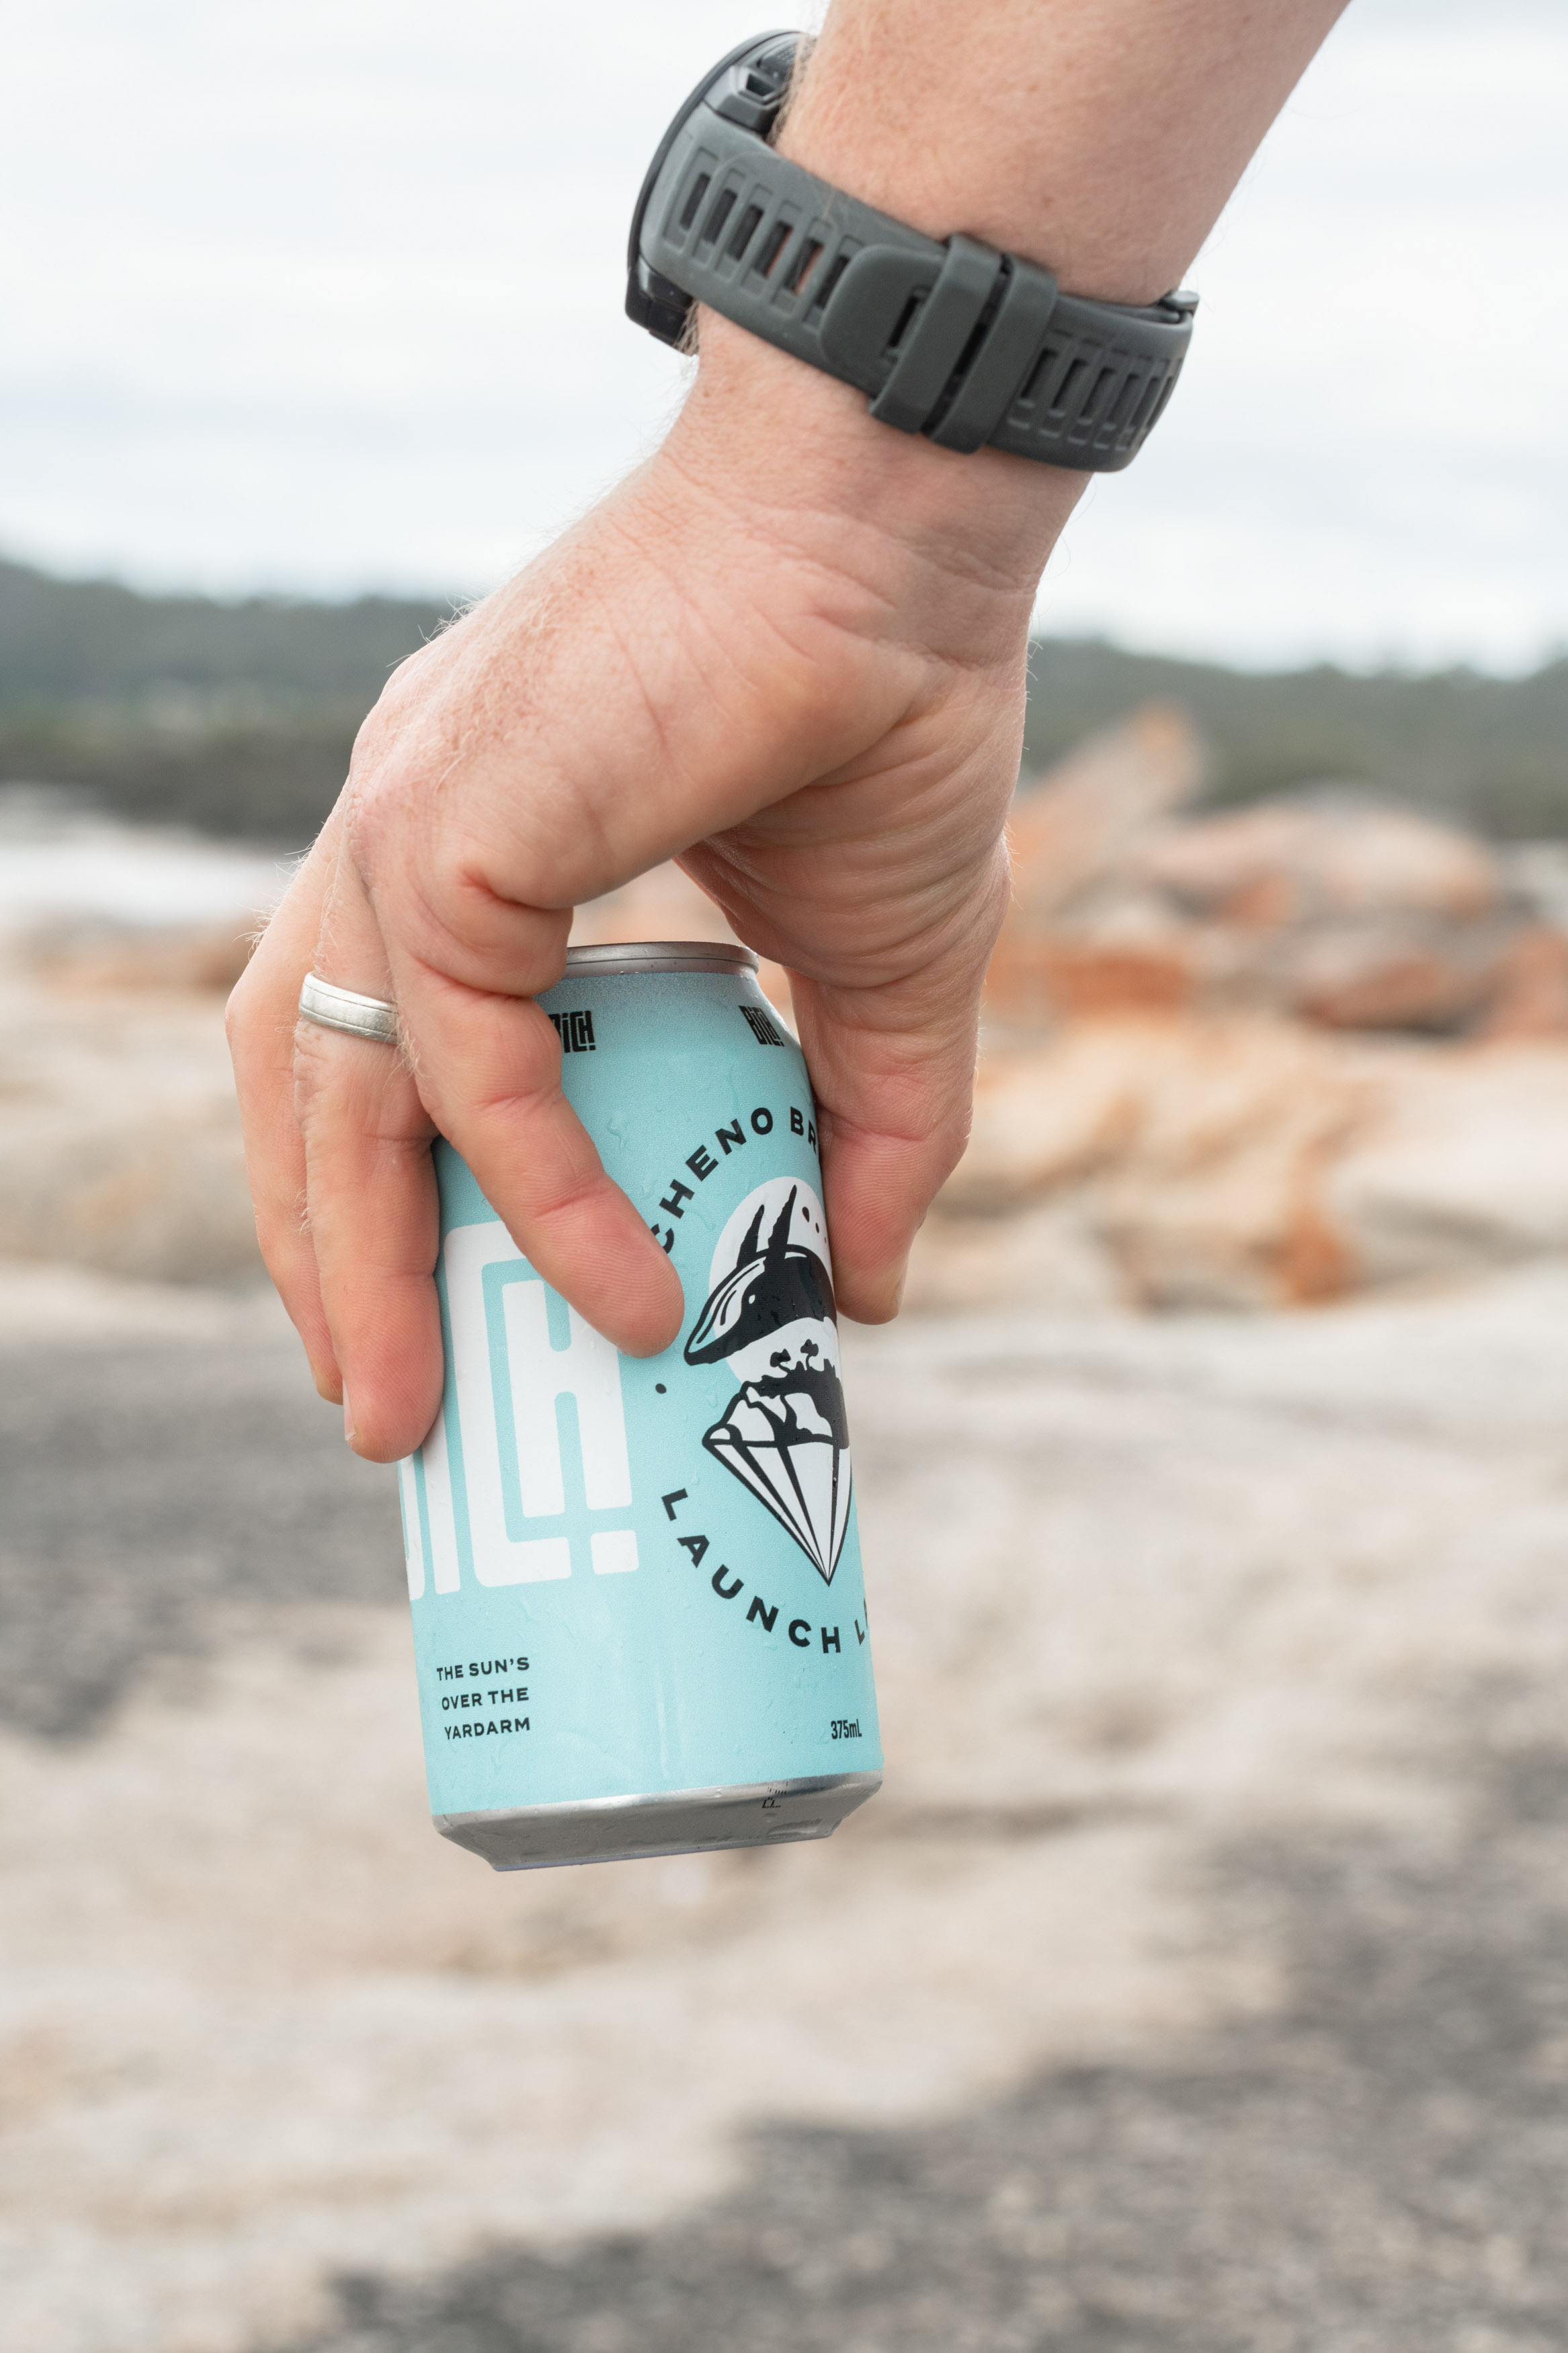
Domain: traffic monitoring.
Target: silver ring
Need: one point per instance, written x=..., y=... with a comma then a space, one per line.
x=330, y=1007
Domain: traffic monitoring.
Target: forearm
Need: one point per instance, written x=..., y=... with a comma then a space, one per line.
x=1100, y=138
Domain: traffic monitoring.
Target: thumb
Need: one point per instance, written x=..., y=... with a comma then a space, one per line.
x=894, y=1082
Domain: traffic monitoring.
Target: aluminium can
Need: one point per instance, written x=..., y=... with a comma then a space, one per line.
x=639, y=1621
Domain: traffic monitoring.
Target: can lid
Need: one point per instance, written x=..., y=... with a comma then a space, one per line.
x=661, y=955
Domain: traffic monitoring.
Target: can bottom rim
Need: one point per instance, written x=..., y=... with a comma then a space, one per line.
x=676, y=1821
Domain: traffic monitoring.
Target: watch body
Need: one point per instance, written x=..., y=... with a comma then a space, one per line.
x=956, y=341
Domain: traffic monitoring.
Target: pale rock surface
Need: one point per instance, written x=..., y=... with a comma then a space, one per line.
x=52, y=1301
x=1079, y=827
x=1077, y=938
x=119, y=1141
x=1244, y=1163
x=96, y=955
x=1291, y=859
x=1137, y=1587
x=1047, y=1255
x=1192, y=1153
x=1324, y=903
x=1466, y=1166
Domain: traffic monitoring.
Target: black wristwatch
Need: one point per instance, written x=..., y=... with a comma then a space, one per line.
x=960, y=342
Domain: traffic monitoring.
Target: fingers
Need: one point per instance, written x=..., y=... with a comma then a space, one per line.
x=374, y=1225
x=371, y=1192
x=490, y=1072
x=358, y=1159
x=261, y=1016
x=888, y=1148
x=894, y=1116
x=485, y=1070
x=337, y=1145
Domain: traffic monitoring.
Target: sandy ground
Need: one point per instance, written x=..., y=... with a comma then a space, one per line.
x=1196, y=1980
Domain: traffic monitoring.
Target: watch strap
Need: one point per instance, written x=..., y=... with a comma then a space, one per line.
x=956, y=340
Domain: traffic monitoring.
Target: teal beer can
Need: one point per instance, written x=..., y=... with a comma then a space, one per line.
x=639, y=1622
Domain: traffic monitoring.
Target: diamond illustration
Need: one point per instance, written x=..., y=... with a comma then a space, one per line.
x=783, y=1433
x=802, y=1475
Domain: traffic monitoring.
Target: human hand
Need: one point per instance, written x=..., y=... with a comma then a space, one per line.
x=789, y=651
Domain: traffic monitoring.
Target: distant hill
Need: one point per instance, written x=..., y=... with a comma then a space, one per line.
x=238, y=717
x=68, y=642
x=1491, y=751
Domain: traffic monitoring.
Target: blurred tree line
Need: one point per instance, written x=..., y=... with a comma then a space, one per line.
x=1489, y=752
x=238, y=717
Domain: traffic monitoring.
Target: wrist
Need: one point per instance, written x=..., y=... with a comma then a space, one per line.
x=786, y=440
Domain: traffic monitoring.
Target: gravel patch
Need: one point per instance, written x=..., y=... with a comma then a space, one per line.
x=1379, y=2164
x=147, y=1487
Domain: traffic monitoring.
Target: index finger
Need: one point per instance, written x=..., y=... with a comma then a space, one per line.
x=487, y=1066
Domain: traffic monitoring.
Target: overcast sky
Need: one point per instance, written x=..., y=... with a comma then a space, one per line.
x=326, y=294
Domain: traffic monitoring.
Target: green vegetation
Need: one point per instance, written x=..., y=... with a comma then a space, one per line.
x=238, y=717
x=1488, y=751
x=235, y=717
